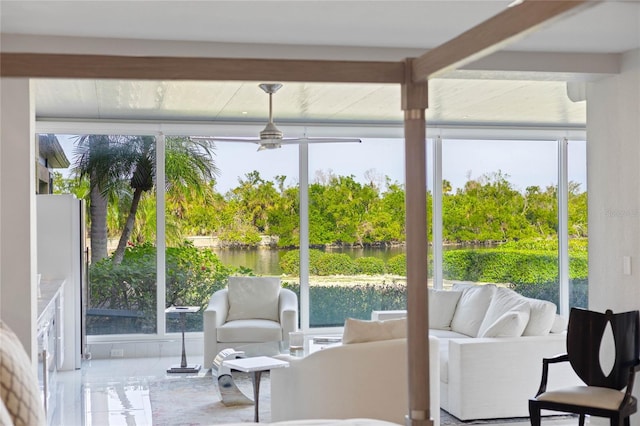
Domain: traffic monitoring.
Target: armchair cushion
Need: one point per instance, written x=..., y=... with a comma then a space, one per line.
x=253, y=298
x=360, y=331
x=255, y=330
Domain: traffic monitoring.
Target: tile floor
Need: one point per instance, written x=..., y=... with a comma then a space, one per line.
x=114, y=392
x=108, y=392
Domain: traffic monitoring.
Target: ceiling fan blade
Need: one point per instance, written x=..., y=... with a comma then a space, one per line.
x=221, y=139
x=271, y=136
x=319, y=140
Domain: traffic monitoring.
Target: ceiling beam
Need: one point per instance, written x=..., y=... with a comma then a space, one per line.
x=491, y=35
x=45, y=65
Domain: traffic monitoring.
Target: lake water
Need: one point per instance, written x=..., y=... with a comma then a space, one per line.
x=267, y=262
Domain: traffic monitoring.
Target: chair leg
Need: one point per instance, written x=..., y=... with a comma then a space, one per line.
x=581, y=420
x=627, y=421
x=534, y=414
x=616, y=420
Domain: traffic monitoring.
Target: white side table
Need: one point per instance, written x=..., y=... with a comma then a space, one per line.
x=183, y=367
x=255, y=366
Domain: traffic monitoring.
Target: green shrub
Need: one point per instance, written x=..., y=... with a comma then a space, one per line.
x=509, y=266
x=192, y=275
x=578, y=294
x=370, y=266
x=320, y=263
x=290, y=262
x=331, y=305
x=551, y=245
x=397, y=265
x=335, y=264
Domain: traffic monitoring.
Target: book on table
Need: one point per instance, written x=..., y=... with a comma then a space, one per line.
x=327, y=339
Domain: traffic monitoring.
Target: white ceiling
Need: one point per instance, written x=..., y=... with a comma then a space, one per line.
x=311, y=27
x=608, y=27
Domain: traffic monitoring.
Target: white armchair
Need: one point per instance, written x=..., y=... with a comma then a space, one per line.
x=249, y=310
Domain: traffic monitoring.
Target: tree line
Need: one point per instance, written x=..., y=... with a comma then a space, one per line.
x=117, y=178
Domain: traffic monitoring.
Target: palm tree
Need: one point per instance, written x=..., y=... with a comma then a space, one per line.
x=94, y=155
x=110, y=160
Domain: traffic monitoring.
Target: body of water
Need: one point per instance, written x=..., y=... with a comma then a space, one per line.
x=267, y=262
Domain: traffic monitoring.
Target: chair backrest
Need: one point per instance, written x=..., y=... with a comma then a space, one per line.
x=585, y=333
x=253, y=298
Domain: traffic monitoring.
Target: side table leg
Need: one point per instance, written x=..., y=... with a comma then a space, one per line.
x=255, y=377
x=183, y=362
x=184, y=367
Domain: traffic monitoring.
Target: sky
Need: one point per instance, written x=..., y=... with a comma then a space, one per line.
x=525, y=163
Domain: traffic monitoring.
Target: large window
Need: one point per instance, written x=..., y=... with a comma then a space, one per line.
x=239, y=222
x=500, y=215
x=356, y=230
x=228, y=209
x=577, y=224
x=115, y=175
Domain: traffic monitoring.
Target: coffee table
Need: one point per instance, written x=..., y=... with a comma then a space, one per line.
x=230, y=394
x=255, y=366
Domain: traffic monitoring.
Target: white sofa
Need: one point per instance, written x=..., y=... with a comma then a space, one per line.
x=484, y=377
x=355, y=380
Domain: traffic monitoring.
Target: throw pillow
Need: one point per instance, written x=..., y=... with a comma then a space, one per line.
x=543, y=314
x=472, y=308
x=559, y=324
x=509, y=324
x=5, y=417
x=442, y=306
x=503, y=301
x=19, y=389
x=360, y=331
x=253, y=298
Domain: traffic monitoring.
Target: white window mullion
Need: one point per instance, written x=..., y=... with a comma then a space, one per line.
x=438, y=279
x=161, y=245
x=303, y=150
x=563, y=227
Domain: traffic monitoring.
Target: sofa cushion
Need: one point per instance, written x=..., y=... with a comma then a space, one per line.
x=253, y=298
x=256, y=330
x=509, y=324
x=559, y=324
x=442, y=306
x=541, y=317
x=471, y=309
x=504, y=300
x=447, y=334
x=360, y=331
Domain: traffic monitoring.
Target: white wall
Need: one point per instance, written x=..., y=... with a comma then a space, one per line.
x=613, y=168
x=613, y=178
x=18, y=256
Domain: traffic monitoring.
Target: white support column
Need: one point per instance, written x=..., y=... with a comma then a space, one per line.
x=18, y=242
x=303, y=154
x=161, y=241
x=436, y=223
x=563, y=227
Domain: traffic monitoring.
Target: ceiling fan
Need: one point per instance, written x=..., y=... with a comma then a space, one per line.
x=271, y=137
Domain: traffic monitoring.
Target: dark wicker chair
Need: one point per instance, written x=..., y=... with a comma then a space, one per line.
x=605, y=394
